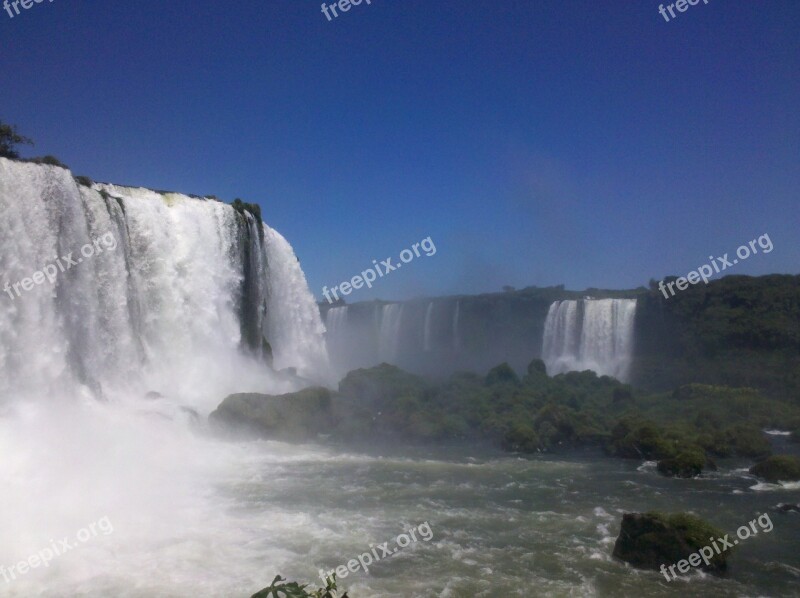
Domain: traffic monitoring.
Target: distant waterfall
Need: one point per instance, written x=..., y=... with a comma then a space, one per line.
x=456, y=337
x=590, y=334
x=184, y=301
x=335, y=321
x=426, y=336
x=389, y=338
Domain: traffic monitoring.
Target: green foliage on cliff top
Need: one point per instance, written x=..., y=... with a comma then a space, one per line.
x=10, y=139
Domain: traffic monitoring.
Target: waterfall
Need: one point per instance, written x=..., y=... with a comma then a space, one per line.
x=591, y=334
x=389, y=338
x=295, y=325
x=426, y=336
x=456, y=337
x=336, y=328
x=168, y=292
x=335, y=321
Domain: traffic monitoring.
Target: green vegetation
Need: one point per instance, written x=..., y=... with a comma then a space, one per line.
x=47, y=160
x=9, y=140
x=298, y=416
x=686, y=464
x=739, y=331
x=780, y=468
x=684, y=430
x=84, y=181
x=279, y=589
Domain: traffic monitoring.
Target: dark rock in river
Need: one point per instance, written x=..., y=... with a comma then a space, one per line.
x=649, y=540
x=786, y=508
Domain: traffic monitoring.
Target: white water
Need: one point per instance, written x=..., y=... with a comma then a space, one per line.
x=427, y=327
x=295, y=326
x=161, y=309
x=591, y=334
x=335, y=321
x=456, y=337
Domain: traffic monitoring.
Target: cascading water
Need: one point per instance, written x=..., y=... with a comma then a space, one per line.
x=591, y=334
x=295, y=325
x=389, y=337
x=183, y=286
x=456, y=336
x=426, y=336
x=335, y=321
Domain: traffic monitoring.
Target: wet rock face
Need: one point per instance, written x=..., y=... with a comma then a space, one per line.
x=650, y=540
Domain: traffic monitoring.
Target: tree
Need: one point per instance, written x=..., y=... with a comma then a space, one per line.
x=9, y=139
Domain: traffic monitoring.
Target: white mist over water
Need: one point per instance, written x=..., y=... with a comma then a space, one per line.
x=591, y=334
x=181, y=305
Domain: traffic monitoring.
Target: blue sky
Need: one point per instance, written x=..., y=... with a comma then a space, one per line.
x=577, y=142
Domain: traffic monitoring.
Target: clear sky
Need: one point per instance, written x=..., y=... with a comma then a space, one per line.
x=537, y=142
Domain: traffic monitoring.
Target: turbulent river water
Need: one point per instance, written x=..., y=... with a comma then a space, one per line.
x=194, y=516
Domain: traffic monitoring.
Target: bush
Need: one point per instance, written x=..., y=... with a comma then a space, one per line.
x=48, y=160
x=686, y=464
x=84, y=181
x=502, y=374
x=639, y=439
x=780, y=468
x=748, y=442
x=521, y=437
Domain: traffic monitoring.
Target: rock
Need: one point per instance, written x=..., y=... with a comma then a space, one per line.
x=649, y=540
x=787, y=508
x=778, y=468
x=298, y=416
